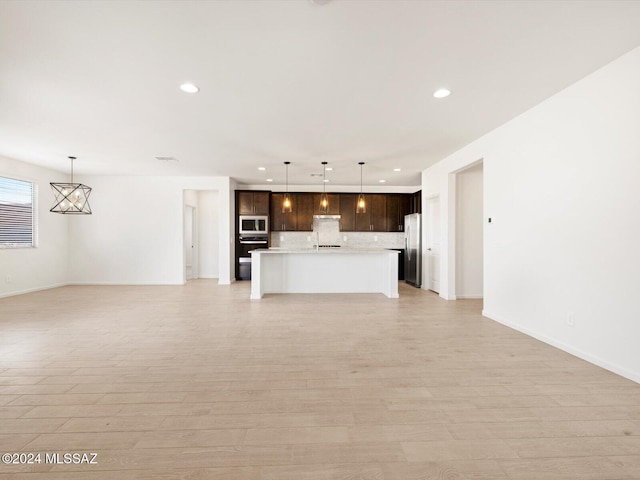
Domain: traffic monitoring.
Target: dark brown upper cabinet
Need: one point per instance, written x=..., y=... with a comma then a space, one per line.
x=301, y=217
x=416, y=202
x=348, y=212
x=252, y=203
x=305, y=211
x=378, y=203
x=374, y=219
x=283, y=222
x=398, y=205
x=385, y=212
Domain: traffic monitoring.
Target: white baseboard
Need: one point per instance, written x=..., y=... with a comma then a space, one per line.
x=122, y=284
x=469, y=297
x=31, y=290
x=634, y=376
x=89, y=284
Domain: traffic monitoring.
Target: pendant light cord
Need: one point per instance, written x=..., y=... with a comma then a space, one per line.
x=72, y=159
x=324, y=177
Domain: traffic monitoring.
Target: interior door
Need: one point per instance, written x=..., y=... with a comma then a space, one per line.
x=433, y=244
x=189, y=227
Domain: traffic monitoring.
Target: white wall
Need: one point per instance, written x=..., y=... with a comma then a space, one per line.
x=561, y=185
x=208, y=234
x=45, y=266
x=135, y=235
x=469, y=245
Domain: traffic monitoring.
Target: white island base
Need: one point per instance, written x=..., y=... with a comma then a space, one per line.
x=339, y=270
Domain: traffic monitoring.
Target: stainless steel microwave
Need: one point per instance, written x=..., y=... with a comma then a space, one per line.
x=254, y=225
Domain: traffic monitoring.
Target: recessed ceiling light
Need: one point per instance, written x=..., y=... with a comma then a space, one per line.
x=442, y=93
x=189, y=88
x=326, y=180
x=397, y=169
x=382, y=181
x=262, y=169
x=329, y=169
x=269, y=179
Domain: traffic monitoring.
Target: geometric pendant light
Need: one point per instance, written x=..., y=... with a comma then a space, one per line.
x=361, y=206
x=286, y=202
x=71, y=198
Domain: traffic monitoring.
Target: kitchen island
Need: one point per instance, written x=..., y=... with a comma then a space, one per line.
x=324, y=270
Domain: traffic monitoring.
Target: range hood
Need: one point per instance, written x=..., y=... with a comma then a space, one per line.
x=327, y=229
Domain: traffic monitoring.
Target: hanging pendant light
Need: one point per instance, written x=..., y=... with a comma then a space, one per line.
x=71, y=198
x=324, y=199
x=286, y=202
x=361, y=206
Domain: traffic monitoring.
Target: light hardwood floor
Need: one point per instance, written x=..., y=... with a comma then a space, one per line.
x=199, y=382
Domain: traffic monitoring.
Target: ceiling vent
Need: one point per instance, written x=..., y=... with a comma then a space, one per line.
x=317, y=175
x=166, y=159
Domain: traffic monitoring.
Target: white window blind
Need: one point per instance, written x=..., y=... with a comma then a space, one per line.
x=17, y=219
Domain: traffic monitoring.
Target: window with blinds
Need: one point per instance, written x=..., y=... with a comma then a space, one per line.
x=17, y=216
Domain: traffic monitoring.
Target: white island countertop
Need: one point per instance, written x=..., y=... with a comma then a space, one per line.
x=324, y=270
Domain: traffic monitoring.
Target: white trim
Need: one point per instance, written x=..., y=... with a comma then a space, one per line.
x=469, y=297
x=634, y=376
x=97, y=284
x=122, y=284
x=446, y=297
x=31, y=290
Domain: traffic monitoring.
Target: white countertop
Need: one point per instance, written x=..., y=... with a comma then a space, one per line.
x=325, y=250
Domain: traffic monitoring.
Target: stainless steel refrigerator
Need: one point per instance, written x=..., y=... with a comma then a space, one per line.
x=413, y=249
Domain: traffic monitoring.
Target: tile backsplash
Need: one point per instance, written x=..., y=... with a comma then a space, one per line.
x=344, y=239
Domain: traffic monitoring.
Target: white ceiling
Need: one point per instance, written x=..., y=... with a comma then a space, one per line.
x=292, y=80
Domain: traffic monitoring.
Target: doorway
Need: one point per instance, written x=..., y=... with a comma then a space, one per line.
x=190, y=242
x=432, y=244
x=201, y=223
x=469, y=222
